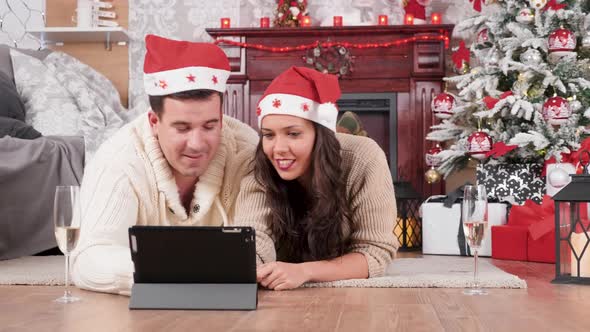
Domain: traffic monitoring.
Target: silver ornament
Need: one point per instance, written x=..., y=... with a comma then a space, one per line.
x=531, y=57
x=558, y=177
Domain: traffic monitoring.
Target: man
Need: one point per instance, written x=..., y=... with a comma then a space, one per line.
x=181, y=163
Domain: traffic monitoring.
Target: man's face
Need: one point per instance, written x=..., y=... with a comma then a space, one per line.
x=189, y=133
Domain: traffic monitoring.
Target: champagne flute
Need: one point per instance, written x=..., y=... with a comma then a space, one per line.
x=475, y=226
x=66, y=218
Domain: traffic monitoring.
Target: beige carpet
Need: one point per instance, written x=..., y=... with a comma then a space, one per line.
x=429, y=271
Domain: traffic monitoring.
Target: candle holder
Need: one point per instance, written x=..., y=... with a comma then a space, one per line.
x=409, y=19
x=435, y=18
x=225, y=23
x=306, y=21
x=264, y=22
x=337, y=21
x=383, y=20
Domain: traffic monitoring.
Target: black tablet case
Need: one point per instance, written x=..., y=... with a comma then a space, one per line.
x=179, y=267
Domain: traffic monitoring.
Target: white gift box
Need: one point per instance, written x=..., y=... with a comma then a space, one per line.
x=440, y=227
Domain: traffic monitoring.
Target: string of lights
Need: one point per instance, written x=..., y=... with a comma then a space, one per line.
x=302, y=47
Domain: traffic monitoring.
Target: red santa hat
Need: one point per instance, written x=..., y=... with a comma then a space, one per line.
x=302, y=92
x=173, y=66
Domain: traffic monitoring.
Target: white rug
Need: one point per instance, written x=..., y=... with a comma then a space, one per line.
x=434, y=271
x=429, y=271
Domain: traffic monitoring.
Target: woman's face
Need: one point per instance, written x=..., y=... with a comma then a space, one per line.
x=287, y=141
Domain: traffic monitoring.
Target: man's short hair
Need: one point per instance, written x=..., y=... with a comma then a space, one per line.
x=157, y=102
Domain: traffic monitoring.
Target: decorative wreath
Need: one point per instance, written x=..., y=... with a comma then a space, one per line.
x=335, y=60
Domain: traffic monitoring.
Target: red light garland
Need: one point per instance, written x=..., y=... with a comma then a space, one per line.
x=303, y=47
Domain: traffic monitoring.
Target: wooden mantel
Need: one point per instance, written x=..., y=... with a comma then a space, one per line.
x=413, y=71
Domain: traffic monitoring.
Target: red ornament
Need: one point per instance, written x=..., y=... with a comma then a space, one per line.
x=556, y=110
x=483, y=36
x=442, y=105
x=562, y=40
x=479, y=143
x=432, y=158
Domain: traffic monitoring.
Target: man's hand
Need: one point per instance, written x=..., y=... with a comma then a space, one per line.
x=281, y=276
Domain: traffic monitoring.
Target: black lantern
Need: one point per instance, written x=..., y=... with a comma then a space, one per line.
x=408, y=225
x=572, y=227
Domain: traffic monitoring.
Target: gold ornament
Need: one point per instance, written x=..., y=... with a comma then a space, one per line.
x=521, y=77
x=432, y=176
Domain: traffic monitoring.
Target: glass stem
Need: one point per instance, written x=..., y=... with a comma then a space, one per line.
x=67, y=291
x=475, y=274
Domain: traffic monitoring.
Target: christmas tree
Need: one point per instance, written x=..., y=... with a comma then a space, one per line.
x=526, y=96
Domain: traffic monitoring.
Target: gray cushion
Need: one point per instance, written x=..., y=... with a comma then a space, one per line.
x=11, y=106
x=17, y=128
x=6, y=63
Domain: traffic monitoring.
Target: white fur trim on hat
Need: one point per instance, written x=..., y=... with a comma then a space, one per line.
x=184, y=79
x=287, y=104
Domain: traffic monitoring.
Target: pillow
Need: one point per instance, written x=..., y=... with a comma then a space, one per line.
x=49, y=107
x=10, y=104
x=17, y=128
x=97, y=99
x=6, y=62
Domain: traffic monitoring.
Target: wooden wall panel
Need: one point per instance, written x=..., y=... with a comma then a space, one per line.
x=113, y=64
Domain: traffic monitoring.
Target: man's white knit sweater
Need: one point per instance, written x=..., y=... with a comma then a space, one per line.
x=129, y=182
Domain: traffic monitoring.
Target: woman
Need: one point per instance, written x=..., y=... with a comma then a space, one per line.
x=322, y=204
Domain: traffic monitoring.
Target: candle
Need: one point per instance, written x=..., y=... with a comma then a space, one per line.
x=409, y=19
x=306, y=21
x=578, y=240
x=382, y=19
x=225, y=23
x=435, y=18
x=264, y=22
x=337, y=21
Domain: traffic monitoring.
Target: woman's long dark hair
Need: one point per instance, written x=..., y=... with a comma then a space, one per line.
x=309, y=224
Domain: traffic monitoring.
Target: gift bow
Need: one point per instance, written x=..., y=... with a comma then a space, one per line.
x=540, y=218
x=499, y=149
x=491, y=101
x=552, y=4
x=460, y=55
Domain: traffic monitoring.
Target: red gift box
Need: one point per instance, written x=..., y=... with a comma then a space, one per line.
x=509, y=242
x=541, y=250
x=529, y=233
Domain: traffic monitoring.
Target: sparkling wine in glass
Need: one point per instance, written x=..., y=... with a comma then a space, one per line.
x=475, y=226
x=66, y=218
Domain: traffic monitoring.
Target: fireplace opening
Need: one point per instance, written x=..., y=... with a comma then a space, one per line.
x=377, y=113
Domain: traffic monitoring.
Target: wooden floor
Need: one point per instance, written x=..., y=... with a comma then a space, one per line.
x=541, y=307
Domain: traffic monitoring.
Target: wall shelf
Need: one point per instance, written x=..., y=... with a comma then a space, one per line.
x=62, y=35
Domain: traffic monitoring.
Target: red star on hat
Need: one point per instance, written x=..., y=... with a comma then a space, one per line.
x=190, y=78
x=258, y=111
x=276, y=103
x=214, y=79
x=305, y=107
x=163, y=84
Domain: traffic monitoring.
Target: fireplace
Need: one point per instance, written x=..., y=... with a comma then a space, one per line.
x=377, y=112
x=390, y=88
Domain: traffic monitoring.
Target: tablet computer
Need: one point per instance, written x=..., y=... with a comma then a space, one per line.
x=192, y=267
